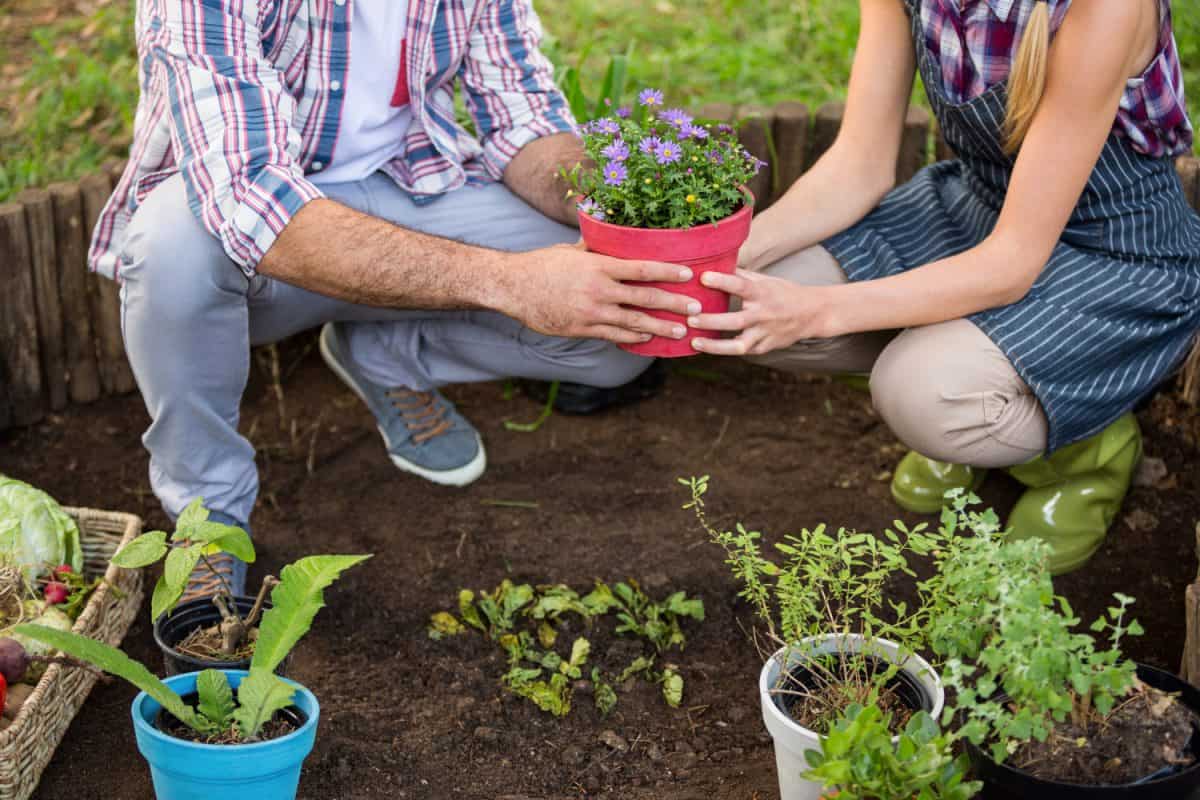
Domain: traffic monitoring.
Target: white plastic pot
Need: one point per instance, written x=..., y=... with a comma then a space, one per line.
x=793, y=740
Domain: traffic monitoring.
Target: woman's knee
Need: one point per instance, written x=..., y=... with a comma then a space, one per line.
x=949, y=393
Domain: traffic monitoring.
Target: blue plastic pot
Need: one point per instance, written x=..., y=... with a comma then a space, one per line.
x=190, y=771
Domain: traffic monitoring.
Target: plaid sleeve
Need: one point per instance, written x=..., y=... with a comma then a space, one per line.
x=231, y=118
x=509, y=83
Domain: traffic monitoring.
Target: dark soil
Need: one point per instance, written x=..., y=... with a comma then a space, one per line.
x=1149, y=731
x=284, y=722
x=407, y=718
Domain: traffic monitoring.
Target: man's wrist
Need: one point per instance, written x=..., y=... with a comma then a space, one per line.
x=497, y=291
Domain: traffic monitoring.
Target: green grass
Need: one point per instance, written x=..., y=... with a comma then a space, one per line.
x=79, y=94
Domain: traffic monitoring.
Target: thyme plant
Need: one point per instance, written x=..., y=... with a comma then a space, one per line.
x=828, y=585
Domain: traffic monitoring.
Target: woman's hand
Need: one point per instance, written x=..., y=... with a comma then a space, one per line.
x=775, y=313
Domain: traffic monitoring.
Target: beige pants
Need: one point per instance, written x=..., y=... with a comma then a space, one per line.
x=945, y=390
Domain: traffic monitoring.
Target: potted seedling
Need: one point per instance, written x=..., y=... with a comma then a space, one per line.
x=661, y=186
x=229, y=734
x=837, y=641
x=216, y=633
x=1050, y=711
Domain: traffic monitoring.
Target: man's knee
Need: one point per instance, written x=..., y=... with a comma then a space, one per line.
x=170, y=260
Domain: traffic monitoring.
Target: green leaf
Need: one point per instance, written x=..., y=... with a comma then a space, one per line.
x=142, y=551
x=165, y=598
x=236, y=542
x=547, y=636
x=295, y=601
x=606, y=696
x=193, y=515
x=216, y=698
x=468, y=611
x=580, y=651
x=261, y=695
x=672, y=688
x=179, y=565
x=113, y=661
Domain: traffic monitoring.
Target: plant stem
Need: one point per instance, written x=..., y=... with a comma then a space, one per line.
x=268, y=583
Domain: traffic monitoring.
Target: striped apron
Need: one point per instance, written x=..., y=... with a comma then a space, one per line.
x=1114, y=311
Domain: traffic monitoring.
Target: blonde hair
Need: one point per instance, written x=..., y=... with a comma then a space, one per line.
x=1027, y=81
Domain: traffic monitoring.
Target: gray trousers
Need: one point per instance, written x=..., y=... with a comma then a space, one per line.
x=945, y=390
x=190, y=316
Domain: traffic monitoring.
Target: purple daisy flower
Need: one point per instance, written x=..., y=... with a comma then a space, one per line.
x=650, y=97
x=624, y=112
x=676, y=116
x=668, y=153
x=615, y=173
x=690, y=131
x=592, y=209
x=716, y=156
x=723, y=128
x=617, y=151
x=650, y=145
x=606, y=126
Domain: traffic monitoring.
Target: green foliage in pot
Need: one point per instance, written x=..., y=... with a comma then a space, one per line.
x=829, y=584
x=650, y=168
x=1012, y=650
x=860, y=759
x=218, y=716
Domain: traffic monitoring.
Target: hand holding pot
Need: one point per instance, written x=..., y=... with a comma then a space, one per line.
x=774, y=313
x=568, y=291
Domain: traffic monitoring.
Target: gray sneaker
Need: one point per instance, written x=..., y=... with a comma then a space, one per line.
x=424, y=433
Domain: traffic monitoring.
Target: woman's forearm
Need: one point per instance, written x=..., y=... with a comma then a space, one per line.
x=840, y=189
x=996, y=273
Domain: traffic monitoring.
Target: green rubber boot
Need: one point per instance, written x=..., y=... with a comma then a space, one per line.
x=920, y=484
x=1075, y=493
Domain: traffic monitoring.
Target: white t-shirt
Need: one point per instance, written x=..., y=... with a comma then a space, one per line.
x=372, y=130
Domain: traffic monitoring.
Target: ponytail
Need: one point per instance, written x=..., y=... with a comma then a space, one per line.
x=1027, y=81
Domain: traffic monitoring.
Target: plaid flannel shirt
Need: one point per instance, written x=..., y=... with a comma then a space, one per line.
x=975, y=41
x=244, y=98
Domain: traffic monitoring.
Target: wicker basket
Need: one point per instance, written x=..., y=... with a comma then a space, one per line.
x=27, y=745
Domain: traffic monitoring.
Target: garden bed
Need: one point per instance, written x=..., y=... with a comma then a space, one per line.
x=423, y=719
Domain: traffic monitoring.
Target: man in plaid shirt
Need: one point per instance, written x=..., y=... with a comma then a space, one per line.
x=298, y=163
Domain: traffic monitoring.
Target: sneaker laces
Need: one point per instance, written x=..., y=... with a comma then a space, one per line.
x=423, y=415
x=206, y=580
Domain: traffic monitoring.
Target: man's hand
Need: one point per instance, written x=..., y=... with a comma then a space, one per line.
x=567, y=291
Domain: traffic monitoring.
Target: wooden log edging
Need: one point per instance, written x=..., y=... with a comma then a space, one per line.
x=60, y=327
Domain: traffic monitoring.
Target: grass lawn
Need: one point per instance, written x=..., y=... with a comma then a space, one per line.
x=68, y=87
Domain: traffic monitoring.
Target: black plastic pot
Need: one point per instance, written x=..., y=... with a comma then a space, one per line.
x=170, y=630
x=1004, y=782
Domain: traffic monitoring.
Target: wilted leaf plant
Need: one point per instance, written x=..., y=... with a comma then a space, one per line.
x=526, y=622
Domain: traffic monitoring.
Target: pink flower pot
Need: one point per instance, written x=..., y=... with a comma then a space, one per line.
x=704, y=248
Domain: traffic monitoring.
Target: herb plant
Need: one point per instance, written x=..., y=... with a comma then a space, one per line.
x=654, y=168
x=828, y=586
x=859, y=760
x=1013, y=654
x=195, y=541
x=218, y=717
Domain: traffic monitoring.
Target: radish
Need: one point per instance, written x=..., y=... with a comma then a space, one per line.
x=3, y=692
x=64, y=569
x=56, y=593
x=14, y=661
